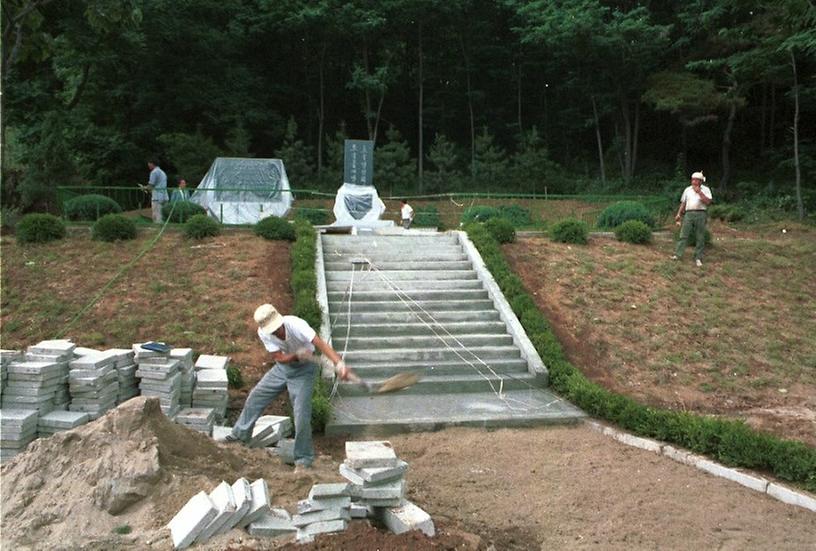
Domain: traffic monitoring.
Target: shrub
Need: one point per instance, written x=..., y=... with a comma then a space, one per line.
x=516, y=215
x=200, y=226
x=570, y=231
x=181, y=211
x=727, y=213
x=273, y=227
x=39, y=228
x=617, y=213
x=501, y=229
x=114, y=227
x=634, y=231
x=317, y=217
x=479, y=213
x=9, y=217
x=427, y=217
x=90, y=207
x=234, y=377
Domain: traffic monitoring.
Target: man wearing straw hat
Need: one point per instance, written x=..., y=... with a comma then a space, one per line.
x=291, y=343
x=693, y=205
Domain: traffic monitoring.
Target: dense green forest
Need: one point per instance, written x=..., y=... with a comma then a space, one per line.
x=459, y=95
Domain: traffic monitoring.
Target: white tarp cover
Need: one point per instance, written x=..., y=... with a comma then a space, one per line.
x=357, y=206
x=242, y=191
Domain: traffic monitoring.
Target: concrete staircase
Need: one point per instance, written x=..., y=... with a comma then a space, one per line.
x=425, y=303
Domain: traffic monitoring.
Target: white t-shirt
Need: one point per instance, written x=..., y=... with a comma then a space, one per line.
x=299, y=335
x=692, y=200
x=407, y=211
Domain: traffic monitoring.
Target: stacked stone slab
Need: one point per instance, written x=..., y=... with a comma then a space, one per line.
x=94, y=384
x=32, y=385
x=17, y=428
x=212, y=385
x=206, y=515
x=377, y=481
x=160, y=378
x=60, y=351
x=59, y=421
x=125, y=365
x=269, y=430
x=6, y=357
x=198, y=419
x=185, y=358
x=326, y=510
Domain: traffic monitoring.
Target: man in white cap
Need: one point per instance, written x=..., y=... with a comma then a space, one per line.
x=291, y=343
x=693, y=205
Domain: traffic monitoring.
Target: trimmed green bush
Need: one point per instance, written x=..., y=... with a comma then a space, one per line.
x=726, y=213
x=90, y=207
x=570, y=231
x=634, y=231
x=501, y=229
x=427, y=217
x=234, y=377
x=516, y=215
x=304, y=286
x=317, y=217
x=617, y=213
x=200, y=226
x=181, y=211
x=275, y=228
x=39, y=228
x=731, y=442
x=479, y=213
x=114, y=227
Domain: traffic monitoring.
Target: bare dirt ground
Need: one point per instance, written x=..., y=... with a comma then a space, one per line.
x=512, y=489
x=735, y=337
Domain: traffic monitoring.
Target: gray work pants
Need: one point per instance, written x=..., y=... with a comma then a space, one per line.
x=298, y=379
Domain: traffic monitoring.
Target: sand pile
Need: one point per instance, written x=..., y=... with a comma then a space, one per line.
x=131, y=468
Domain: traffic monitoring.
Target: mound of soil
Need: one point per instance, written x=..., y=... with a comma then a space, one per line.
x=116, y=482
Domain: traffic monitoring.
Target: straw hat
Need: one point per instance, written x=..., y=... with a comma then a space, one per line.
x=698, y=176
x=268, y=318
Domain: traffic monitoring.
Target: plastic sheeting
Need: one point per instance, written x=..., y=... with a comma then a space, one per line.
x=357, y=206
x=243, y=191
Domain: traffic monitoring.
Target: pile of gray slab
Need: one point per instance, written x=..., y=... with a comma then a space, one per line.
x=38, y=380
x=18, y=427
x=211, y=384
x=160, y=378
x=94, y=384
x=269, y=431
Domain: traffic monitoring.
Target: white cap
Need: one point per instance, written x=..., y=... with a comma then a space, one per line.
x=268, y=318
x=698, y=176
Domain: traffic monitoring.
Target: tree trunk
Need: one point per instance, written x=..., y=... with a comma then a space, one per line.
x=762, y=119
x=619, y=150
x=684, y=146
x=369, y=126
x=600, y=143
x=627, y=135
x=518, y=100
x=726, y=148
x=470, y=109
x=420, y=142
x=800, y=207
x=377, y=116
x=635, y=139
x=772, y=121
x=321, y=118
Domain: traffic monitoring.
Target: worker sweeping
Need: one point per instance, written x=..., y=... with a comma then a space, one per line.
x=291, y=343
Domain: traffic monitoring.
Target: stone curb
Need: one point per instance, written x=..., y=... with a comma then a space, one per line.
x=754, y=482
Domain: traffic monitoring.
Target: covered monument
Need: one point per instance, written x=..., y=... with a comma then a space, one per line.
x=243, y=191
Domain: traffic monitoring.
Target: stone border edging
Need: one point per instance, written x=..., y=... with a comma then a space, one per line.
x=535, y=365
x=323, y=299
x=754, y=482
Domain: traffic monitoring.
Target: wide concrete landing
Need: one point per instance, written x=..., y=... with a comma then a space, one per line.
x=384, y=414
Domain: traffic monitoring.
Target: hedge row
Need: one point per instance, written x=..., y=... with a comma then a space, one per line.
x=304, y=289
x=731, y=442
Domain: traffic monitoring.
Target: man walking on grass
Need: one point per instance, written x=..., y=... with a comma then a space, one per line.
x=291, y=343
x=157, y=185
x=693, y=205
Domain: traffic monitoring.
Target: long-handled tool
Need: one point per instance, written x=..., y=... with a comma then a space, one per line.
x=391, y=384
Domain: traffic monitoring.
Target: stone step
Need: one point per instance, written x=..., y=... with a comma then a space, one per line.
x=340, y=317
x=413, y=265
x=430, y=306
x=445, y=367
x=405, y=275
x=333, y=259
x=415, y=329
x=385, y=414
x=374, y=283
x=383, y=240
x=435, y=354
x=471, y=382
x=456, y=342
x=398, y=294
